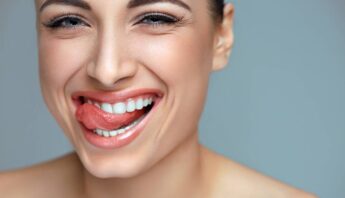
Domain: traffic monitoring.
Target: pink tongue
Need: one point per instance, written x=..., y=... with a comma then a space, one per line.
x=93, y=118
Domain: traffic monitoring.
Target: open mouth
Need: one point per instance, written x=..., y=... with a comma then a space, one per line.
x=113, y=119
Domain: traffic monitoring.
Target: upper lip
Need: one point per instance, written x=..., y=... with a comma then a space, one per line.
x=112, y=97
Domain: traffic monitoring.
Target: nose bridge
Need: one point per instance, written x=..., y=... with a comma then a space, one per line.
x=107, y=66
x=108, y=56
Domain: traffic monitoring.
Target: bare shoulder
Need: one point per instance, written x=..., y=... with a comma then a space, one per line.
x=47, y=179
x=234, y=179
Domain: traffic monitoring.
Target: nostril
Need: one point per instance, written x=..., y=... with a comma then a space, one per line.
x=108, y=72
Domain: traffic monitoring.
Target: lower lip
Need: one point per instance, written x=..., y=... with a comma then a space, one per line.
x=120, y=140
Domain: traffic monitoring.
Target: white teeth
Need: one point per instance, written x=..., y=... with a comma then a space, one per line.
x=121, y=131
x=146, y=102
x=107, y=107
x=106, y=133
x=99, y=132
x=119, y=108
x=131, y=106
x=113, y=133
x=139, y=104
x=127, y=127
x=122, y=107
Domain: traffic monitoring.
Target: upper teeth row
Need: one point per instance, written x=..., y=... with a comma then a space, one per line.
x=123, y=107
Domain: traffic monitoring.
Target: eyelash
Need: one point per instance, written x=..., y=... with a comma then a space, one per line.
x=154, y=19
x=58, y=21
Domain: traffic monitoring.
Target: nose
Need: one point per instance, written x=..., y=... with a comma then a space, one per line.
x=112, y=62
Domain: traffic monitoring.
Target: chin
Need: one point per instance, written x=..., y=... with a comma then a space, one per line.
x=114, y=167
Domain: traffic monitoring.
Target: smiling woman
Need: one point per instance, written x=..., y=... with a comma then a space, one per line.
x=127, y=82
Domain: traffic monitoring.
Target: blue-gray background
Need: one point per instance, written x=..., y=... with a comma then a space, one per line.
x=278, y=108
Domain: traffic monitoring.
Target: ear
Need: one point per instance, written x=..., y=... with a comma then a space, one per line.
x=224, y=39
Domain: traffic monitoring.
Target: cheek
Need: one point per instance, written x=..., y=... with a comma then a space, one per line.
x=183, y=63
x=60, y=60
x=176, y=58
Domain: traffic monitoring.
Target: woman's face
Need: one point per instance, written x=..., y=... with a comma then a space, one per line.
x=112, y=53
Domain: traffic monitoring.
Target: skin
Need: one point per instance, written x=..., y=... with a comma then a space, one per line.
x=103, y=54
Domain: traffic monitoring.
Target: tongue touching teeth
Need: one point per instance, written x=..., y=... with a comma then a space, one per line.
x=122, y=116
x=120, y=131
x=123, y=107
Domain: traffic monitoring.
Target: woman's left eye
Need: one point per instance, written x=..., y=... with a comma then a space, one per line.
x=156, y=19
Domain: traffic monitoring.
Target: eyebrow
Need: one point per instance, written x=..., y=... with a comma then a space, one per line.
x=77, y=3
x=132, y=4
x=136, y=3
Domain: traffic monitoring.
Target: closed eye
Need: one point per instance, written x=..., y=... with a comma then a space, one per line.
x=157, y=19
x=66, y=21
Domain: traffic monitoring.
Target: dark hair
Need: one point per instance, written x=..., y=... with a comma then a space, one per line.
x=216, y=7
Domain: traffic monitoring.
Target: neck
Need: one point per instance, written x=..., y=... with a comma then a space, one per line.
x=177, y=175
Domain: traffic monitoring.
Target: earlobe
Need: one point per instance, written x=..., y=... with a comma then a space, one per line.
x=224, y=39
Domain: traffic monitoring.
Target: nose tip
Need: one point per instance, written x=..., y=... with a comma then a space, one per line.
x=112, y=62
x=109, y=74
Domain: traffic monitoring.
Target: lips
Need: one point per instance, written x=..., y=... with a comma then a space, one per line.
x=110, y=120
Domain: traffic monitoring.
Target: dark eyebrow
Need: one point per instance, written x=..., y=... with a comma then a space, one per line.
x=136, y=3
x=77, y=3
